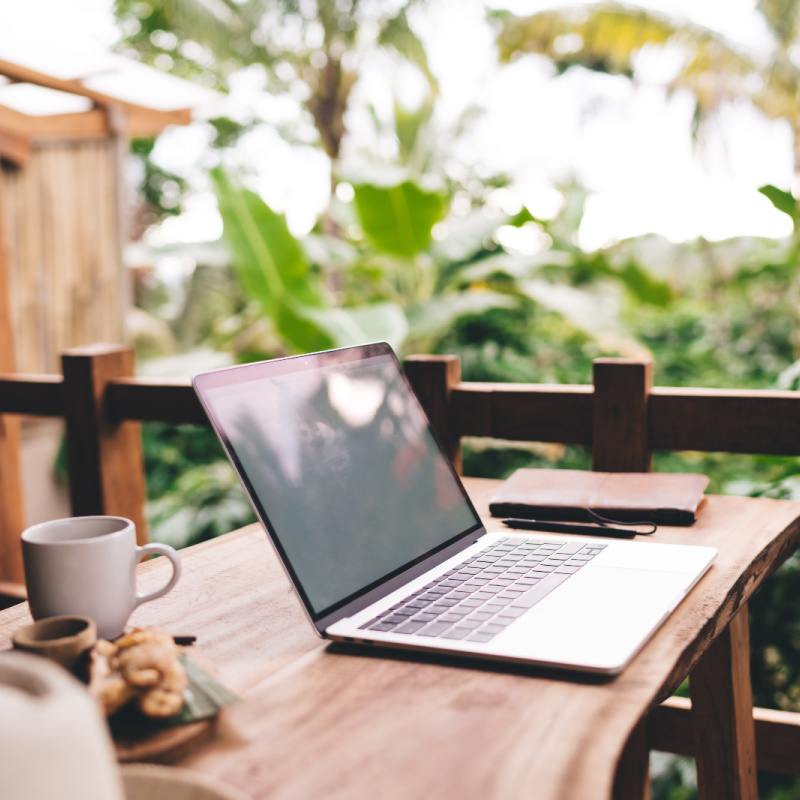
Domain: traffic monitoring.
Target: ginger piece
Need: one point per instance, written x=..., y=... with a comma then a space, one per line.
x=140, y=666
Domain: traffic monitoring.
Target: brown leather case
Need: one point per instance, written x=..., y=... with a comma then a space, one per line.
x=566, y=494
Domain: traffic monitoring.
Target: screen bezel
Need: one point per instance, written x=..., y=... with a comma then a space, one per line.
x=245, y=373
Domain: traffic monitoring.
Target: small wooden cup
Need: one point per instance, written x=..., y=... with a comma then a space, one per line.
x=61, y=639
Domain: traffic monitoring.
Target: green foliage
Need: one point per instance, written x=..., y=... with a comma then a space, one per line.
x=273, y=270
x=196, y=495
x=161, y=190
x=398, y=218
x=783, y=201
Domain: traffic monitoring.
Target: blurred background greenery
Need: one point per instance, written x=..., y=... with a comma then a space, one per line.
x=435, y=252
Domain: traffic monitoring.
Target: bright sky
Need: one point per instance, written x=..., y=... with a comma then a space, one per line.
x=631, y=148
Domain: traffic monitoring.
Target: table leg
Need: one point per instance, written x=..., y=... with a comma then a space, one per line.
x=722, y=712
x=632, y=781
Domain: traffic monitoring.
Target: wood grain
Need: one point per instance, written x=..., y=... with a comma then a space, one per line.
x=620, y=436
x=12, y=509
x=722, y=716
x=319, y=720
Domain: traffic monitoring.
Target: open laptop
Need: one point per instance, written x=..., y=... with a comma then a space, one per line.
x=381, y=542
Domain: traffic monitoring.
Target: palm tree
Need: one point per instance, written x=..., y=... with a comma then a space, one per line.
x=311, y=48
x=608, y=37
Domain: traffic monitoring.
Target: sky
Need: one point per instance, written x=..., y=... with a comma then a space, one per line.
x=630, y=147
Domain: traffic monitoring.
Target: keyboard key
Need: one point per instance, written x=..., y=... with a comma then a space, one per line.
x=425, y=617
x=471, y=624
x=571, y=547
x=500, y=600
x=395, y=619
x=382, y=626
x=542, y=589
x=480, y=636
x=456, y=633
x=493, y=627
x=435, y=629
x=567, y=570
x=481, y=615
x=410, y=627
x=511, y=612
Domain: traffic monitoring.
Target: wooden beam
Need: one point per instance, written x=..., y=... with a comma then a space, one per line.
x=36, y=395
x=12, y=506
x=144, y=121
x=104, y=456
x=155, y=400
x=669, y=729
x=91, y=124
x=732, y=421
x=620, y=436
x=524, y=412
x=722, y=716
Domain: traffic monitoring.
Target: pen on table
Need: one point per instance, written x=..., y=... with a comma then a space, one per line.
x=566, y=527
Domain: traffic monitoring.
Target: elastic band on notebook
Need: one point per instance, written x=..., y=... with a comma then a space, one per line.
x=595, y=517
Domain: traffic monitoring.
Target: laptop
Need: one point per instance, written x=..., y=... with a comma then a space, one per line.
x=383, y=546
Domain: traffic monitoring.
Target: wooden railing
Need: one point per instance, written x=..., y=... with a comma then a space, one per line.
x=621, y=417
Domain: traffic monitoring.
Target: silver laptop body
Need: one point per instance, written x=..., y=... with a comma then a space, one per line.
x=381, y=542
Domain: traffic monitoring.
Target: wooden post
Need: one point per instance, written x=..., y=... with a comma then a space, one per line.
x=12, y=509
x=104, y=455
x=722, y=715
x=632, y=781
x=433, y=379
x=620, y=439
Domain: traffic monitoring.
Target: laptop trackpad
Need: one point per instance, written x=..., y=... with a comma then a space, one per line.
x=597, y=619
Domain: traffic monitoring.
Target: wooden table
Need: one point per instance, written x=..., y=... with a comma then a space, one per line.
x=319, y=721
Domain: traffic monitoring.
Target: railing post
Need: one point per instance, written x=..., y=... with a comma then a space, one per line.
x=12, y=509
x=104, y=456
x=433, y=379
x=620, y=427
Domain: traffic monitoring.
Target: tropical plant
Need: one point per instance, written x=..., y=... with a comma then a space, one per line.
x=615, y=39
x=312, y=50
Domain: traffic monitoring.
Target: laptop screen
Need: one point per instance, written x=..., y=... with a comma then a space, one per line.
x=342, y=467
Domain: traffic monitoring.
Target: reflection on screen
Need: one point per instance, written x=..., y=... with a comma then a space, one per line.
x=345, y=469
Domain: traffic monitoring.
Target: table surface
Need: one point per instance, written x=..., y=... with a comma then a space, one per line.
x=320, y=720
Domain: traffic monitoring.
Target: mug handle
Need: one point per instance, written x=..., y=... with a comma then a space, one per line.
x=156, y=548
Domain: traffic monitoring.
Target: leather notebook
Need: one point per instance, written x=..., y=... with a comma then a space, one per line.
x=566, y=494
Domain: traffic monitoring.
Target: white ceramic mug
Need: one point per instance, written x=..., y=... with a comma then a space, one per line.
x=87, y=566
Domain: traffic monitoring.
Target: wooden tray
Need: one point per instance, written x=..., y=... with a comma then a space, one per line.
x=161, y=745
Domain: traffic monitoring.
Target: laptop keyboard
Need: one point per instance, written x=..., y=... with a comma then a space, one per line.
x=486, y=593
